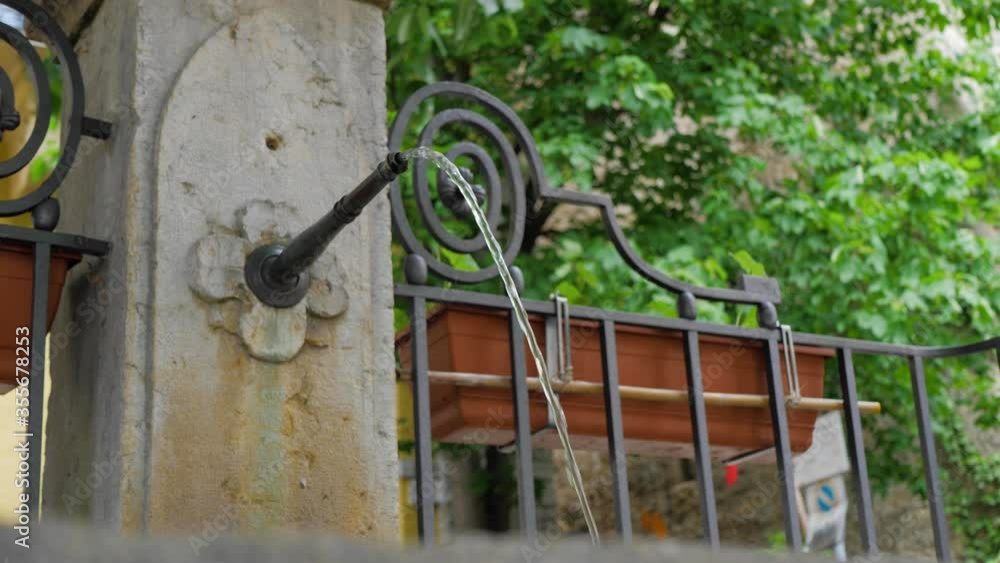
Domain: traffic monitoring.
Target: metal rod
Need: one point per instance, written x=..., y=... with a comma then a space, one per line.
x=616, y=434
x=934, y=493
x=62, y=241
x=552, y=345
x=747, y=456
x=422, y=423
x=856, y=448
x=96, y=128
x=644, y=393
x=310, y=244
x=782, y=447
x=699, y=435
x=36, y=383
x=278, y=275
x=522, y=435
x=566, y=336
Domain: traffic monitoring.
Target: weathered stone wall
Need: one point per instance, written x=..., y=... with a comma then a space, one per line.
x=240, y=122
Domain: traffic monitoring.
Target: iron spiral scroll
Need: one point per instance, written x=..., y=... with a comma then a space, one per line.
x=486, y=174
x=76, y=124
x=522, y=152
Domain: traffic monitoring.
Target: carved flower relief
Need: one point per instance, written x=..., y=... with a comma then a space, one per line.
x=216, y=276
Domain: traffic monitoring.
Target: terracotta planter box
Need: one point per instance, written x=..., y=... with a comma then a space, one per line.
x=474, y=340
x=16, y=277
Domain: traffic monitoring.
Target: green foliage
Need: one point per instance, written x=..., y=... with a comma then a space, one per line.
x=836, y=144
x=777, y=544
x=48, y=156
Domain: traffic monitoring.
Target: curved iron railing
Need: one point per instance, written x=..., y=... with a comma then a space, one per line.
x=76, y=123
x=762, y=292
x=758, y=291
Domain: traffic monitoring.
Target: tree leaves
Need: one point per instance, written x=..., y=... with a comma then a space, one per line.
x=748, y=264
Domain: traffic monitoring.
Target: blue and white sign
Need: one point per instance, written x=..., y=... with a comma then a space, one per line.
x=823, y=496
x=819, y=477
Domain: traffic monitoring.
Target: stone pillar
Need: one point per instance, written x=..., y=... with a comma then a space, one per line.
x=179, y=403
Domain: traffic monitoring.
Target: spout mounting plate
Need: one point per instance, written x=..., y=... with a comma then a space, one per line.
x=280, y=294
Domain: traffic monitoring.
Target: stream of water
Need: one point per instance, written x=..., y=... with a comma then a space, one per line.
x=521, y=314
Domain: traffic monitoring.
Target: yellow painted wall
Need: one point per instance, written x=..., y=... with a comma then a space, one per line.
x=9, y=461
x=404, y=433
x=26, y=103
x=408, y=529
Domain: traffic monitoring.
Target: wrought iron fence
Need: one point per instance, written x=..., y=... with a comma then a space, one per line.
x=44, y=245
x=758, y=291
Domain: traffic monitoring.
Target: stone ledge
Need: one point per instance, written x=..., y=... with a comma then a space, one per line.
x=74, y=16
x=53, y=543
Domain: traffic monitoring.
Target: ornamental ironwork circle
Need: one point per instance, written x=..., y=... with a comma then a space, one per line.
x=486, y=174
x=519, y=147
x=73, y=103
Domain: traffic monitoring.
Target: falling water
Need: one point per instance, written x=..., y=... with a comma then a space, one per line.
x=453, y=173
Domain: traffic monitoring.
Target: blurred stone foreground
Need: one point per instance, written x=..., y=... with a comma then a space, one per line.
x=58, y=544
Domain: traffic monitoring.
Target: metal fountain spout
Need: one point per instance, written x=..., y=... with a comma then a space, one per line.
x=279, y=274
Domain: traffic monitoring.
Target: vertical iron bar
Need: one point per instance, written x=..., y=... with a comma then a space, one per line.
x=567, y=341
x=699, y=434
x=422, y=422
x=856, y=447
x=522, y=432
x=782, y=446
x=616, y=436
x=552, y=345
x=36, y=383
x=934, y=492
